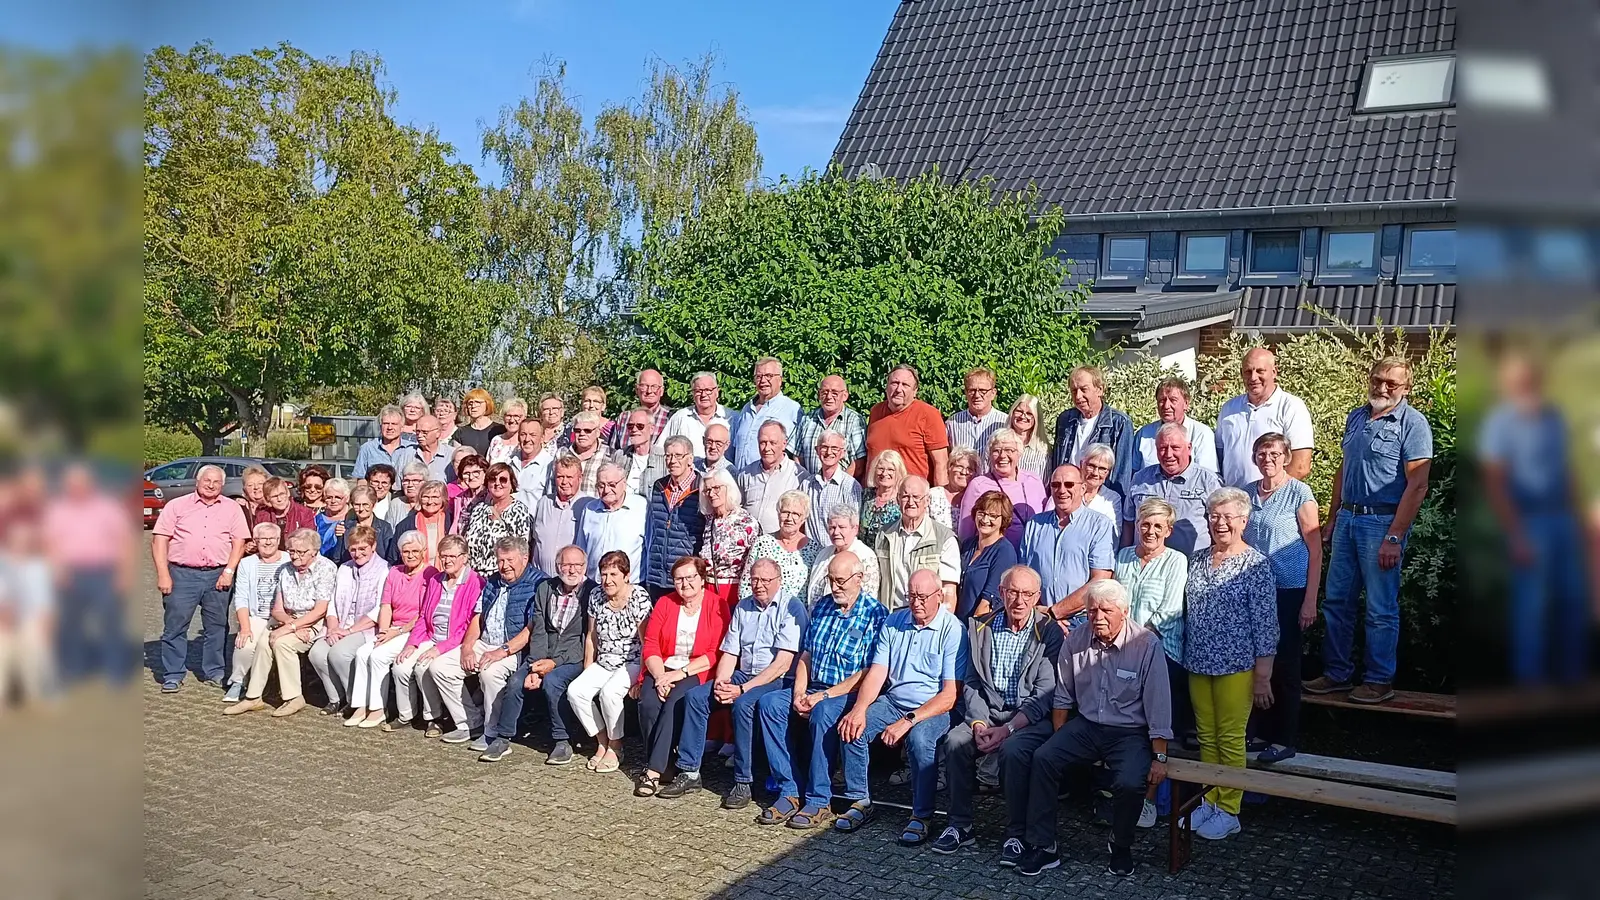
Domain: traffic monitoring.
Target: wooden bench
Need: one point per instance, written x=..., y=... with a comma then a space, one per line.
x=1293, y=787
x=1411, y=703
x=1512, y=791
x=1351, y=771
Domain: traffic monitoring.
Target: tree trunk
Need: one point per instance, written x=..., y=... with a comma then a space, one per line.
x=254, y=417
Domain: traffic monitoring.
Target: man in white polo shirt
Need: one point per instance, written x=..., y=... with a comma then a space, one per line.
x=1263, y=407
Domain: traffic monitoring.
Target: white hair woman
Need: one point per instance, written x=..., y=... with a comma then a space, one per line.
x=1230, y=636
x=304, y=591
x=1024, y=420
x=788, y=547
x=1006, y=475
x=730, y=532
x=411, y=481
x=255, y=588
x=398, y=611
x=413, y=406
x=844, y=533
x=502, y=447
x=330, y=518
x=1098, y=461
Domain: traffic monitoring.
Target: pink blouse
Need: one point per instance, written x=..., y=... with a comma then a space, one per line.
x=402, y=593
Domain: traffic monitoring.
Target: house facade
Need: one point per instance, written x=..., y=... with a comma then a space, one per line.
x=1223, y=166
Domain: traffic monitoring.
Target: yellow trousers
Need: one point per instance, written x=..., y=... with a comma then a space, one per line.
x=1221, y=711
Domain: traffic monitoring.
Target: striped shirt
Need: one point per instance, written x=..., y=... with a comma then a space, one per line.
x=1274, y=530
x=840, y=643
x=973, y=432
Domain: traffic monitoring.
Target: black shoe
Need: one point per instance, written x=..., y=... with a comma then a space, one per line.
x=1036, y=859
x=738, y=797
x=496, y=750
x=1011, y=853
x=1121, y=864
x=685, y=783
x=560, y=755
x=332, y=709
x=952, y=839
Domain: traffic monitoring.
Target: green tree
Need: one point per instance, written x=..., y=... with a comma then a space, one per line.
x=296, y=235
x=831, y=274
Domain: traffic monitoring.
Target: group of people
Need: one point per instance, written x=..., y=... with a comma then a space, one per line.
x=826, y=580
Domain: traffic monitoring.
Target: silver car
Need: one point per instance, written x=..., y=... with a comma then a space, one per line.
x=176, y=478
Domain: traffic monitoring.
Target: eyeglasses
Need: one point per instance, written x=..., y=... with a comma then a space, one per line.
x=446, y=557
x=1269, y=454
x=703, y=392
x=671, y=456
x=1064, y=484
x=979, y=392
x=763, y=376
x=1014, y=594
x=294, y=552
x=569, y=565
x=1387, y=383
x=503, y=479
x=831, y=392
x=760, y=579
x=686, y=579
x=841, y=582
x=584, y=430
x=913, y=499
x=921, y=598
x=637, y=426
x=1222, y=517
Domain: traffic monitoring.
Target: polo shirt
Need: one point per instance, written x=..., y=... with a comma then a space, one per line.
x=533, y=476
x=1187, y=491
x=756, y=633
x=1240, y=423
x=839, y=644
x=202, y=532
x=920, y=658
x=438, y=466
x=1063, y=555
x=1376, y=450
x=825, y=494
x=913, y=432
x=973, y=432
x=743, y=433
x=1202, y=444
x=686, y=423
x=372, y=454
x=761, y=490
x=601, y=530
x=810, y=428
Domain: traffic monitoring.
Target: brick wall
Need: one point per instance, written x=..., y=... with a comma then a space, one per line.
x=1214, y=337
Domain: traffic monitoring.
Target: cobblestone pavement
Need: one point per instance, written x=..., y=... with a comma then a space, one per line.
x=300, y=807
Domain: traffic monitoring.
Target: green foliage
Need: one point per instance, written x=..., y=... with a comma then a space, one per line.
x=358, y=399
x=162, y=446
x=831, y=274
x=288, y=445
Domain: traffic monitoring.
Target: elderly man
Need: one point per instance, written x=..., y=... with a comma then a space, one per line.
x=555, y=517
x=839, y=640
x=911, y=427
x=770, y=404
x=532, y=462
x=428, y=452
x=1090, y=421
x=830, y=484
x=553, y=418
x=495, y=638
x=1177, y=479
x=1069, y=547
x=716, y=442
x=304, y=591
x=1172, y=408
x=757, y=652
x=586, y=447
x=769, y=477
x=1112, y=706
x=385, y=448
x=648, y=388
x=843, y=533
x=972, y=427
x=197, y=542
x=706, y=412
x=1380, y=486
x=614, y=520
x=1009, y=693
x=675, y=526
x=640, y=457
x=830, y=416
x=916, y=542
x=558, y=620
x=1262, y=408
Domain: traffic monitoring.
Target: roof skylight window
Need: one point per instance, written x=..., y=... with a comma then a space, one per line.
x=1407, y=83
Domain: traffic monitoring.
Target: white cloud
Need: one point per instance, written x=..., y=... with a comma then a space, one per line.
x=804, y=116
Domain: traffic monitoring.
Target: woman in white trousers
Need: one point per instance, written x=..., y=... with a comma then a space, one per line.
x=398, y=612
x=611, y=656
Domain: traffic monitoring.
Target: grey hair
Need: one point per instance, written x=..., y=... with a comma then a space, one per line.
x=766, y=360
x=210, y=467
x=841, y=511
x=414, y=397
x=432, y=487
x=1155, y=506
x=725, y=478
x=698, y=376
x=792, y=499
x=511, y=544
x=362, y=490
x=773, y=423
x=1006, y=436
x=1107, y=589
x=416, y=468
x=1229, y=496
x=410, y=537
x=586, y=418
x=301, y=536
x=514, y=403
x=1175, y=429
x=680, y=442
x=766, y=560
x=1095, y=451
x=263, y=529
x=336, y=486
x=1008, y=575
x=392, y=411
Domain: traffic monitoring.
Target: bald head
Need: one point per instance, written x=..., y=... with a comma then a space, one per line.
x=1259, y=371
x=924, y=593
x=844, y=578
x=914, y=500
x=715, y=442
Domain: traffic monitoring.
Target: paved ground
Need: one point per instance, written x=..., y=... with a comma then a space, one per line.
x=299, y=807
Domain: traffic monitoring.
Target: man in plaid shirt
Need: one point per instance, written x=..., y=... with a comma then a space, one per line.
x=649, y=388
x=832, y=415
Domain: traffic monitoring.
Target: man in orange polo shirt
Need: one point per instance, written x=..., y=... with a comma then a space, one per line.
x=198, y=541
x=908, y=425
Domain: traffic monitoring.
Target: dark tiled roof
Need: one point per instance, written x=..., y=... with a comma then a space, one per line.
x=1409, y=306
x=1148, y=312
x=1116, y=106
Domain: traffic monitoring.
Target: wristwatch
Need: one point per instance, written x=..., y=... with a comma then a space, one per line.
x=1161, y=758
x=910, y=716
x=1391, y=539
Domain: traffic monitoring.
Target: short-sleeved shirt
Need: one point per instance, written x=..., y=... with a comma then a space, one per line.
x=302, y=591
x=761, y=490
x=1240, y=423
x=533, y=475
x=601, y=530
x=1063, y=555
x=1155, y=594
x=1187, y=492
x=1274, y=530
x=920, y=658
x=756, y=633
x=913, y=432
x=686, y=423
x=373, y=453
x=1532, y=448
x=201, y=532
x=825, y=494
x=438, y=466
x=616, y=631
x=1376, y=450
x=1202, y=444
x=839, y=644
x=965, y=430
x=744, y=432
x=810, y=428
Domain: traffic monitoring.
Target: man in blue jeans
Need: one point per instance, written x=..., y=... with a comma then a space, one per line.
x=757, y=653
x=558, y=619
x=839, y=640
x=197, y=544
x=1380, y=486
x=906, y=698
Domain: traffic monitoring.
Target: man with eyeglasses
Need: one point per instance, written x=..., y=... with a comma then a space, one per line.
x=586, y=447
x=428, y=451
x=1172, y=407
x=640, y=457
x=555, y=519
x=843, y=534
x=1069, y=546
x=553, y=418
x=1009, y=690
x=532, y=462
x=830, y=416
x=769, y=477
x=615, y=519
x=829, y=485
x=675, y=526
x=1262, y=408
x=1177, y=479
x=910, y=427
x=385, y=448
x=972, y=427
x=916, y=542
x=649, y=388
x=716, y=450
x=704, y=413
x=770, y=404
x=1377, y=492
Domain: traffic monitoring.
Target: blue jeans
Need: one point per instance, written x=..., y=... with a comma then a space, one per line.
x=922, y=746
x=554, y=687
x=1548, y=599
x=1354, y=565
x=776, y=710
x=91, y=634
x=191, y=588
x=697, y=715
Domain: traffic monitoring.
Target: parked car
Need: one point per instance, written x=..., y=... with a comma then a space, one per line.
x=176, y=478
x=337, y=468
x=154, y=499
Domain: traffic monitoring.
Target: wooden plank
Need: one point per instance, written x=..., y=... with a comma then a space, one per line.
x=1310, y=790
x=1411, y=703
x=1502, y=793
x=1495, y=705
x=1351, y=771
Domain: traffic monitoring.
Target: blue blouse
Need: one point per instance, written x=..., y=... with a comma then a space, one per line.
x=1231, y=614
x=1274, y=530
x=980, y=574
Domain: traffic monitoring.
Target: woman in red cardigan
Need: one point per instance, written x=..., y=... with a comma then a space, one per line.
x=681, y=640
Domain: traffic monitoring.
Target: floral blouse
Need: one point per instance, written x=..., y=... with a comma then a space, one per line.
x=484, y=530
x=617, y=638
x=1231, y=613
x=875, y=520
x=795, y=567
x=727, y=542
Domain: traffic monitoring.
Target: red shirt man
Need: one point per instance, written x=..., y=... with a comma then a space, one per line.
x=911, y=427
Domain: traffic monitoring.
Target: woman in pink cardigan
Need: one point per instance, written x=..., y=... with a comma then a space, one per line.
x=399, y=610
x=448, y=598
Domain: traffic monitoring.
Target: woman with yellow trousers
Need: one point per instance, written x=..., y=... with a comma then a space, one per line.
x=1230, y=636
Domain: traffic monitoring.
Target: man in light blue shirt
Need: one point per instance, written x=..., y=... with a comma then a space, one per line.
x=1069, y=547
x=906, y=696
x=1179, y=480
x=386, y=447
x=1172, y=407
x=769, y=405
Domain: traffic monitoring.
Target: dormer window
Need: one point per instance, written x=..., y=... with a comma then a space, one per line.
x=1404, y=83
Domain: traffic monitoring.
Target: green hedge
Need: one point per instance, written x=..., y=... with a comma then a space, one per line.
x=164, y=446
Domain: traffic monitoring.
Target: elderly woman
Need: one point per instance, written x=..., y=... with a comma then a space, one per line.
x=448, y=414
x=503, y=446
x=399, y=609
x=1230, y=634
x=844, y=532
x=986, y=555
x=1024, y=420
x=468, y=489
x=304, y=591
x=730, y=532
x=254, y=483
x=593, y=399
x=612, y=655
x=411, y=481
x=330, y=519
x=431, y=518
x=500, y=515
x=281, y=509
x=381, y=479
x=1285, y=528
x=480, y=427
x=255, y=587
x=309, y=486
x=449, y=596
x=880, y=503
x=413, y=407
x=364, y=511
x=964, y=464
x=681, y=641
x=1023, y=488
x=1098, y=461
x=789, y=547
x=351, y=621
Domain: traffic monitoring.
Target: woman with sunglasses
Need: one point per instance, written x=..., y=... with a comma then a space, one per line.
x=468, y=488
x=309, y=486
x=499, y=515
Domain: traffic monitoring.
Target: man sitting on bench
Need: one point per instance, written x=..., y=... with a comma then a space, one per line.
x=1112, y=705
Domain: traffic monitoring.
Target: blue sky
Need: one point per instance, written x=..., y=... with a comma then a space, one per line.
x=798, y=67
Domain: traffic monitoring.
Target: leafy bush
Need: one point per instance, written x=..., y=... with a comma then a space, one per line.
x=288, y=445
x=161, y=446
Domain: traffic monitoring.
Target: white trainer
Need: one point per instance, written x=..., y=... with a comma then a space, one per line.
x=1147, y=815
x=1220, y=825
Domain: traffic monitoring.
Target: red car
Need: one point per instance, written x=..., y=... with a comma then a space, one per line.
x=154, y=499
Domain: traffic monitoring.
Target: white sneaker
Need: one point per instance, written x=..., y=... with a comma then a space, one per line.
x=1218, y=826
x=1201, y=814
x=1147, y=815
